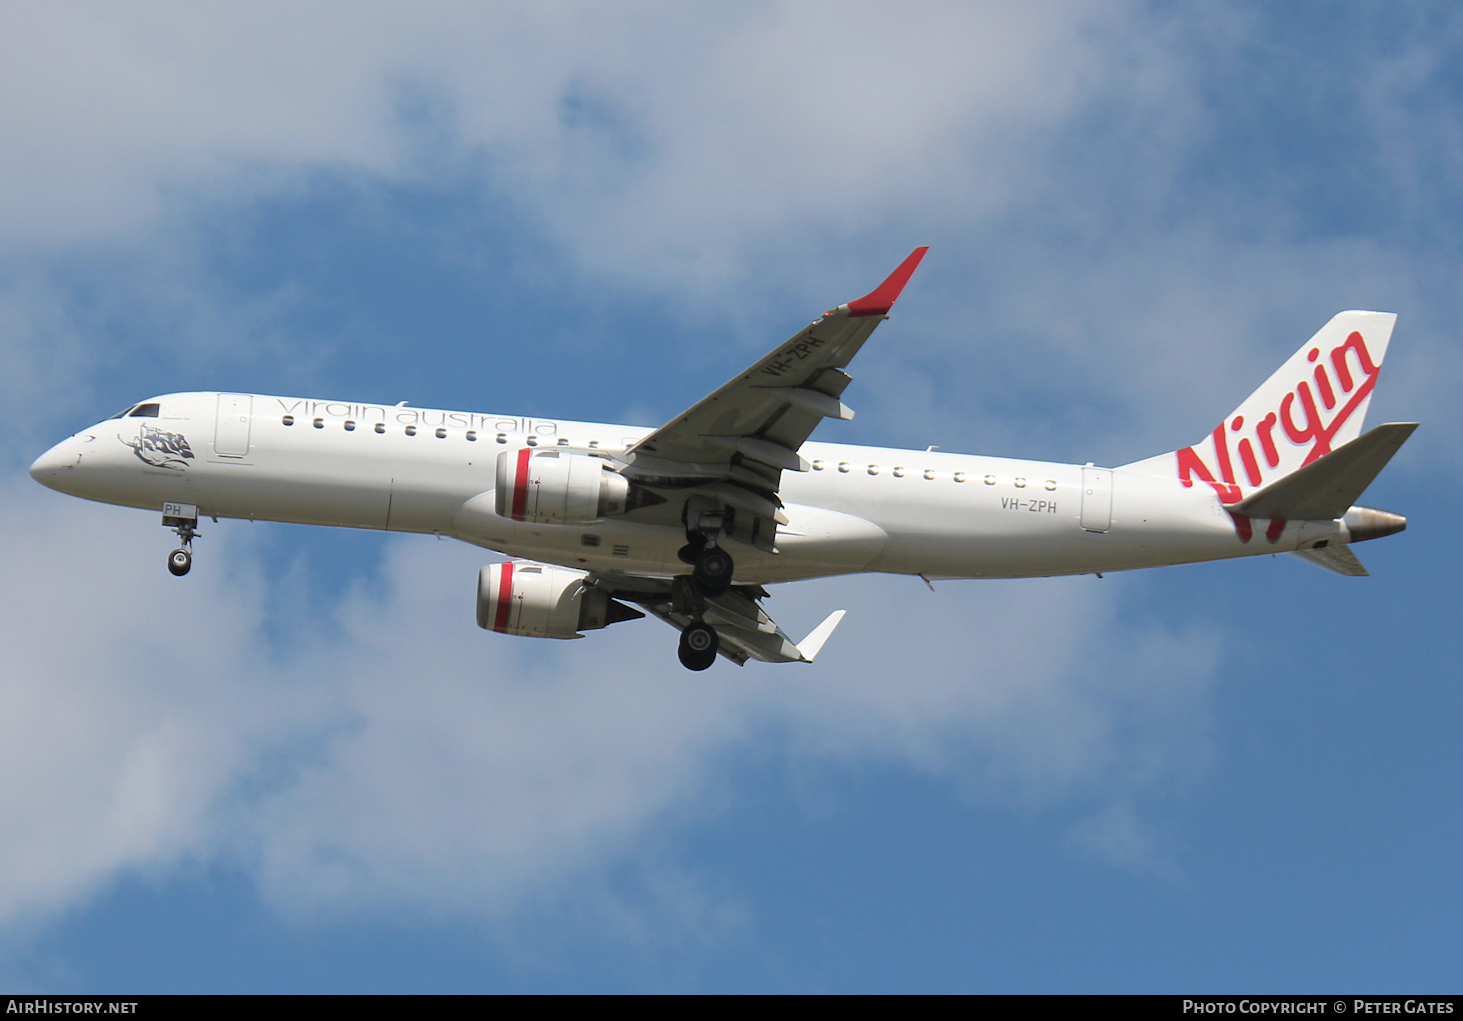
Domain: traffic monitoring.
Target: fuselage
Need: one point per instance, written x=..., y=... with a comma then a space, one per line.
x=859, y=509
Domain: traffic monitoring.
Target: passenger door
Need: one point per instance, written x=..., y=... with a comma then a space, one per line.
x=231, y=429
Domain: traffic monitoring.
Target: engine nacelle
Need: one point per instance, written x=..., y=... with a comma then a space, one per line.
x=555, y=487
x=521, y=597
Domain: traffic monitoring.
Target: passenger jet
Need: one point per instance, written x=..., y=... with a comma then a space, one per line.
x=691, y=521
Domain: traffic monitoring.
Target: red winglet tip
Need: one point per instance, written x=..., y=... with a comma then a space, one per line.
x=880, y=300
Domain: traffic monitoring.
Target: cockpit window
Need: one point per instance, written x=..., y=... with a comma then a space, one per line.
x=122, y=413
x=144, y=411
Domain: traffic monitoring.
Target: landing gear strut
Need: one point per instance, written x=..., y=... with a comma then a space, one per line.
x=699, y=643
x=182, y=518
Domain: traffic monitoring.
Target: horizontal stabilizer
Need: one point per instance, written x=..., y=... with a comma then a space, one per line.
x=1328, y=486
x=1334, y=558
x=811, y=645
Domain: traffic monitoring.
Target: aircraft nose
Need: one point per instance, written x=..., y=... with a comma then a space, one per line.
x=54, y=463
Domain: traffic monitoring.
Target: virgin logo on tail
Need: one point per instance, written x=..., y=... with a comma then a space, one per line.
x=1262, y=443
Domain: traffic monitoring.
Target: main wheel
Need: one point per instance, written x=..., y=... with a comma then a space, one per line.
x=713, y=571
x=179, y=562
x=699, y=643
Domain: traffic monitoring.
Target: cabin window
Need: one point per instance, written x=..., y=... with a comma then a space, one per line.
x=380, y=427
x=144, y=411
x=843, y=466
x=1051, y=485
x=319, y=423
x=411, y=430
x=564, y=442
x=441, y=434
x=350, y=426
x=594, y=444
x=533, y=441
x=288, y=420
x=873, y=469
x=929, y=473
x=899, y=471
x=989, y=480
x=959, y=476
x=817, y=466
x=1020, y=482
x=472, y=436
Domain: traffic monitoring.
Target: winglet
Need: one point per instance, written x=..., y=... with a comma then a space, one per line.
x=880, y=300
x=811, y=645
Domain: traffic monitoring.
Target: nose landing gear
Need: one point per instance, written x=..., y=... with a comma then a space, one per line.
x=182, y=518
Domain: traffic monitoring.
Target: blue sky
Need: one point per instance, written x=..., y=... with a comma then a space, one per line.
x=304, y=769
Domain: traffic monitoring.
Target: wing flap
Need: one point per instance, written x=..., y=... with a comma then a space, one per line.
x=819, y=403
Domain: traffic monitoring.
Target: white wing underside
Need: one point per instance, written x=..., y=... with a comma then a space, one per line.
x=1339, y=559
x=747, y=631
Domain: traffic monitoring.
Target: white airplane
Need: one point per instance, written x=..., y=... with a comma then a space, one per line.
x=691, y=520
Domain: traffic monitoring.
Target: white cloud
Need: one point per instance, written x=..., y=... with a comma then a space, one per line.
x=705, y=155
x=735, y=112
x=395, y=755
x=386, y=752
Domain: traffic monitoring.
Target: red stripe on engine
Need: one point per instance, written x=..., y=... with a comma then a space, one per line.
x=520, y=484
x=505, y=597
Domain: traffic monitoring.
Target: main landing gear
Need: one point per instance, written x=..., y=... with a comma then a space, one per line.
x=699, y=643
x=711, y=576
x=182, y=518
x=699, y=640
x=711, y=566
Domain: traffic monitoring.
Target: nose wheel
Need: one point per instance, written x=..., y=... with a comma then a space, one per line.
x=182, y=518
x=180, y=561
x=699, y=643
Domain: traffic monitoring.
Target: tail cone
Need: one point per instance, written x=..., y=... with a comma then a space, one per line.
x=1369, y=523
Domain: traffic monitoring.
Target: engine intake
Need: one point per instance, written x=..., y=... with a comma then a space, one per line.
x=521, y=597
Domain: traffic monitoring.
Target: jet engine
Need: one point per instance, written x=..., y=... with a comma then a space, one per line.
x=555, y=487
x=521, y=597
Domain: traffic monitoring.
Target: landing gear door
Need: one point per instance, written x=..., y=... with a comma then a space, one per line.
x=231, y=431
x=1096, y=499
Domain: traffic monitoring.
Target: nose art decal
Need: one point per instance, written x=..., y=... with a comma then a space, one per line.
x=160, y=449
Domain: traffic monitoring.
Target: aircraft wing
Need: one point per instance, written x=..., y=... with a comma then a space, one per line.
x=746, y=631
x=1339, y=559
x=733, y=446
